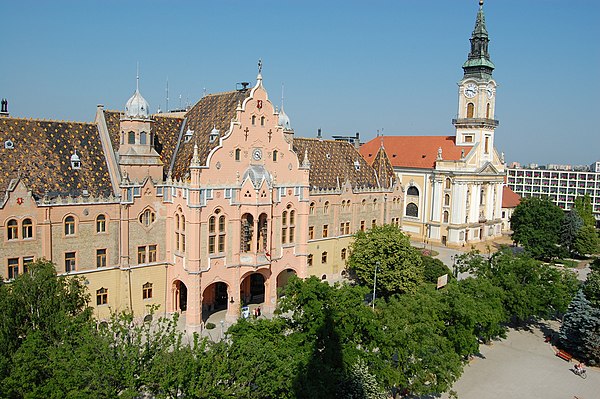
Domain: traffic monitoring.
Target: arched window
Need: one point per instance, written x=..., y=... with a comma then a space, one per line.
x=487, y=145
x=363, y=203
x=70, y=226
x=487, y=111
x=274, y=155
x=147, y=217
x=412, y=210
x=27, y=228
x=253, y=120
x=131, y=138
x=470, y=110
x=221, y=240
x=482, y=197
x=262, y=120
x=179, y=231
x=309, y=260
x=247, y=233
x=448, y=183
x=326, y=208
x=375, y=204
x=216, y=233
x=211, y=234
x=238, y=153
x=412, y=190
x=143, y=138
x=311, y=209
x=292, y=226
x=284, y=227
x=447, y=200
x=446, y=216
x=348, y=205
x=101, y=224
x=12, y=230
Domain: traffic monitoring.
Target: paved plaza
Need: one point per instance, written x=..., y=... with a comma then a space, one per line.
x=524, y=366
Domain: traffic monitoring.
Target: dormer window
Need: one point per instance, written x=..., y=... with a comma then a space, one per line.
x=188, y=135
x=9, y=145
x=357, y=165
x=214, y=134
x=75, y=161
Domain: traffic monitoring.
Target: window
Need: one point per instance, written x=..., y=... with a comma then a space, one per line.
x=143, y=138
x=221, y=243
x=284, y=229
x=292, y=226
x=373, y=223
x=311, y=209
x=262, y=120
x=253, y=120
x=101, y=224
x=448, y=184
x=275, y=156
x=238, y=154
x=375, y=204
x=342, y=228
x=141, y=255
x=12, y=230
x=470, y=110
x=216, y=233
x=309, y=260
x=247, y=232
x=102, y=296
x=101, y=258
x=362, y=225
x=412, y=210
x=446, y=216
x=28, y=260
x=325, y=230
x=179, y=231
x=13, y=268
x=487, y=145
x=412, y=190
x=468, y=139
x=324, y=257
x=343, y=254
x=487, y=111
x=27, y=228
x=152, y=253
x=326, y=208
x=447, y=200
x=347, y=228
x=147, y=217
x=147, y=291
x=131, y=138
x=311, y=232
x=70, y=262
x=70, y=226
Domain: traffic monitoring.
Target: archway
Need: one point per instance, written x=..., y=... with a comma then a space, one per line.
x=214, y=299
x=179, y=296
x=252, y=289
x=282, y=280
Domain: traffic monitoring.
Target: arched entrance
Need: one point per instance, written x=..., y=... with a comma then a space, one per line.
x=252, y=289
x=215, y=298
x=179, y=296
x=282, y=280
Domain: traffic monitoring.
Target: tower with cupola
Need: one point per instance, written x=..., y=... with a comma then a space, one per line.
x=475, y=122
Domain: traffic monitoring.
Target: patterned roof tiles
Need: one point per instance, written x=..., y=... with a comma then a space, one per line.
x=414, y=151
x=41, y=157
x=510, y=199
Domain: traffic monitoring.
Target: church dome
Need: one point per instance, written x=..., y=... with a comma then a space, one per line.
x=137, y=106
x=284, y=120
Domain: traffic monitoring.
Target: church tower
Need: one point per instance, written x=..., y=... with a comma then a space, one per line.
x=137, y=156
x=475, y=123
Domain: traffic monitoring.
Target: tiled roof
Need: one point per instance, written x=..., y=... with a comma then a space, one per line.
x=165, y=128
x=213, y=110
x=42, y=157
x=510, y=199
x=414, y=151
x=333, y=162
x=384, y=169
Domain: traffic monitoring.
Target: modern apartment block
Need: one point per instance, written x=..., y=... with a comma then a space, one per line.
x=562, y=185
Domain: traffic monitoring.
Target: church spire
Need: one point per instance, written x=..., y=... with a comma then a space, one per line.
x=479, y=64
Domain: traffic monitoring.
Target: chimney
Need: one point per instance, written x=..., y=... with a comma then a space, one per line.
x=319, y=134
x=4, y=108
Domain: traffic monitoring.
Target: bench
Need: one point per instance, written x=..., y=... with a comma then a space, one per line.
x=564, y=355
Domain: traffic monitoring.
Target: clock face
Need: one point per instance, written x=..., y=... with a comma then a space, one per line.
x=490, y=90
x=470, y=90
x=257, y=154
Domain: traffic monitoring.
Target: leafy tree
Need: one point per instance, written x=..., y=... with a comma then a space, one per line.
x=399, y=265
x=361, y=384
x=536, y=224
x=591, y=288
x=587, y=241
x=580, y=330
x=569, y=229
x=583, y=206
x=434, y=268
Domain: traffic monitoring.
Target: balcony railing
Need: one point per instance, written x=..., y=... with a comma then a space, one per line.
x=480, y=122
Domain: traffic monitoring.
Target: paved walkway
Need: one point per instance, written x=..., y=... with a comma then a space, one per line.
x=524, y=366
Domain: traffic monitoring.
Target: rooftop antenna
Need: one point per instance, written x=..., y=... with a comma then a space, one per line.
x=167, y=90
x=204, y=92
x=180, y=101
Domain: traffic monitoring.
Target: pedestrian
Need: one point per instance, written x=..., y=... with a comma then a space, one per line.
x=258, y=312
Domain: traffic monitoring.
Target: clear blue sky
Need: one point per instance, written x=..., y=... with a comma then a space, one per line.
x=348, y=66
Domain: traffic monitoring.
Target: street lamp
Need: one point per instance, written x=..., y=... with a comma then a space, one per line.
x=375, y=283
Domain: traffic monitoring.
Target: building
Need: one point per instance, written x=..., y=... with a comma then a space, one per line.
x=510, y=200
x=453, y=184
x=199, y=211
x=561, y=185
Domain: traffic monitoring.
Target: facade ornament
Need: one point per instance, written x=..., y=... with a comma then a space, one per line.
x=439, y=154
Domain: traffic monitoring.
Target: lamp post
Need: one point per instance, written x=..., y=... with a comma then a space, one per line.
x=375, y=283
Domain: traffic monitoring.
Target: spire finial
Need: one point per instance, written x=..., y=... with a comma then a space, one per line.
x=259, y=66
x=282, y=96
x=137, y=77
x=480, y=3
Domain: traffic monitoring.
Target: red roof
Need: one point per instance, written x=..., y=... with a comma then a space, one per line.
x=510, y=199
x=414, y=151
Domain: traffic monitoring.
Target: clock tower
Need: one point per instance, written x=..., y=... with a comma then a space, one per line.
x=475, y=123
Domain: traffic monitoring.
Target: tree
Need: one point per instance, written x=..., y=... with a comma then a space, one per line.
x=536, y=225
x=587, y=241
x=399, y=265
x=591, y=288
x=580, y=330
x=569, y=229
x=583, y=206
x=434, y=268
